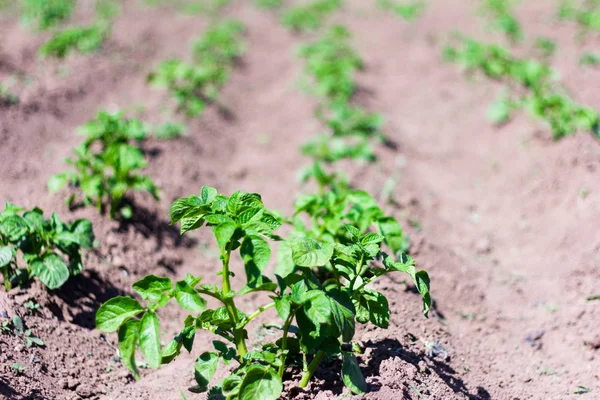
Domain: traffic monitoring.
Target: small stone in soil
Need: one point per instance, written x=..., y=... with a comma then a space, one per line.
x=534, y=339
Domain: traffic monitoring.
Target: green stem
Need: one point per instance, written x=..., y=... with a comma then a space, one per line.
x=260, y=310
x=286, y=328
x=238, y=333
x=312, y=367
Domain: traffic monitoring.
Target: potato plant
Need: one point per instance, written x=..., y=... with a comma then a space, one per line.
x=195, y=85
x=586, y=13
x=534, y=87
x=331, y=64
x=311, y=16
x=319, y=294
x=107, y=164
x=503, y=18
x=46, y=14
x=408, y=11
x=84, y=39
x=50, y=249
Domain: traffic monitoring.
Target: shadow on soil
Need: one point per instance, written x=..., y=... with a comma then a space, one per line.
x=83, y=295
x=328, y=377
x=10, y=394
x=150, y=224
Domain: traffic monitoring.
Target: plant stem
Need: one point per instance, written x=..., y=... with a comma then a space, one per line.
x=238, y=333
x=312, y=367
x=260, y=310
x=286, y=328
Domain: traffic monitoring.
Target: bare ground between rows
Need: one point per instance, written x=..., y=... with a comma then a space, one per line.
x=494, y=214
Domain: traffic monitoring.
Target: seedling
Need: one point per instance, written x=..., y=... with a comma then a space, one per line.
x=311, y=16
x=18, y=368
x=586, y=13
x=408, y=11
x=582, y=390
x=319, y=292
x=16, y=327
x=7, y=98
x=503, y=18
x=589, y=59
x=269, y=3
x=50, y=249
x=545, y=47
x=45, y=14
x=331, y=64
x=534, y=83
x=107, y=164
x=195, y=85
x=84, y=39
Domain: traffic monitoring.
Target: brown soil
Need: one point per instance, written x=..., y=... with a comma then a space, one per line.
x=495, y=215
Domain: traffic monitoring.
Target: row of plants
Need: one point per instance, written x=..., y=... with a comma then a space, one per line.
x=339, y=241
x=529, y=84
x=195, y=85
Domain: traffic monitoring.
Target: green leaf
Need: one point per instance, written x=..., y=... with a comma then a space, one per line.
x=255, y=252
x=13, y=227
x=188, y=298
x=128, y=339
x=223, y=233
x=51, y=270
x=6, y=255
x=352, y=375
x=318, y=309
x=112, y=314
x=392, y=233
x=204, y=369
x=57, y=182
x=309, y=253
x=260, y=383
x=150, y=339
x=374, y=307
x=207, y=194
x=152, y=287
x=343, y=312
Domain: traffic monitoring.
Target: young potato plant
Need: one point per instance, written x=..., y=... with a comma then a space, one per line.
x=50, y=249
x=534, y=86
x=586, y=13
x=503, y=18
x=408, y=11
x=107, y=164
x=7, y=98
x=195, y=85
x=311, y=16
x=46, y=14
x=84, y=39
x=320, y=292
x=351, y=131
x=270, y=4
x=331, y=63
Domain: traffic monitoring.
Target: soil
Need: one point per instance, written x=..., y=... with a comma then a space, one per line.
x=505, y=220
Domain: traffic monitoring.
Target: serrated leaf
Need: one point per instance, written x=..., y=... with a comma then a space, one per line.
x=112, y=314
x=128, y=339
x=150, y=339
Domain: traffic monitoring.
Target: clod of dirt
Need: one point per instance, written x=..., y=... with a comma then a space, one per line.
x=85, y=391
x=534, y=339
x=592, y=341
x=483, y=245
